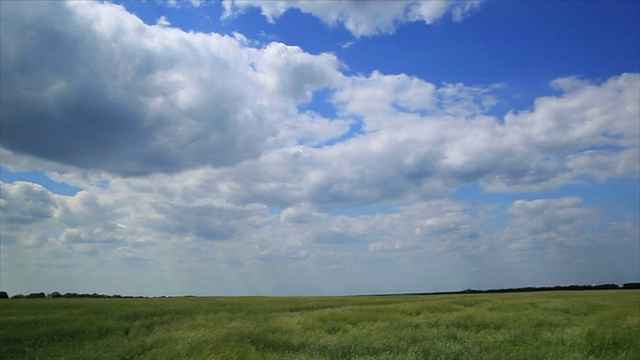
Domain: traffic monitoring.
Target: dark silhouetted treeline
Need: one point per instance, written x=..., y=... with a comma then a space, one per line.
x=626, y=286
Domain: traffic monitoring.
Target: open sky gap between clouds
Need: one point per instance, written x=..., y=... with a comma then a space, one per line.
x=201, y=162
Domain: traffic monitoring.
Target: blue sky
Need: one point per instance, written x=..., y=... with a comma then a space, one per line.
x=304, y=148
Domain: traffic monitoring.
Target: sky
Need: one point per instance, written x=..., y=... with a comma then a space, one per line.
x=318, y=147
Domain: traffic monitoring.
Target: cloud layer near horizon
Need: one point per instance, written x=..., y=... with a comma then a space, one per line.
x=192, y=150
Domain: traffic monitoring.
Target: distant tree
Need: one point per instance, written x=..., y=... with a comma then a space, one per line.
x=4, y=295
x=55, y=294
x=606, y=287
x=36, y=295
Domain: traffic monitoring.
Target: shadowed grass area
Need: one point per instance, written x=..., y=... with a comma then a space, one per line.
x=542, y=325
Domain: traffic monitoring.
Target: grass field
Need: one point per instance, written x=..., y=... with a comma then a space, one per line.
x=542, y=325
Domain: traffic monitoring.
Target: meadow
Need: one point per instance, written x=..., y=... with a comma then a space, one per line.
x=542, y=325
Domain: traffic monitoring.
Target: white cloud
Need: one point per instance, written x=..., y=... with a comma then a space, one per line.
x=162, y=21
x=451, y=137
x=172, y=3
x=463, y=10
x=295, y=74
x=362, y=18
x=26, y=203
x=552, y=227
x=184, y=229
x=405, y=153
x=385, y=99
x=555, y=241
x=347, y=45
x=221, y=103
x=176, y=4
x=127, y=98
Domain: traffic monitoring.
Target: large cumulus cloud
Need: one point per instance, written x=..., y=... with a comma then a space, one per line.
x=90, y=85
x=425, y=145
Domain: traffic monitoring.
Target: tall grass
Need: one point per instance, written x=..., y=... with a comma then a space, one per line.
x=547, y=325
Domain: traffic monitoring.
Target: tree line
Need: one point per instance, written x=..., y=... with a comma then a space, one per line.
x=70, y=295
x=626, y=286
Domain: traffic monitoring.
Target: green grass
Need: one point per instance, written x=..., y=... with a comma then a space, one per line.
x=543, y=325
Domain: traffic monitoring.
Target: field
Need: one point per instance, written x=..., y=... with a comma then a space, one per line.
x=543, y=325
